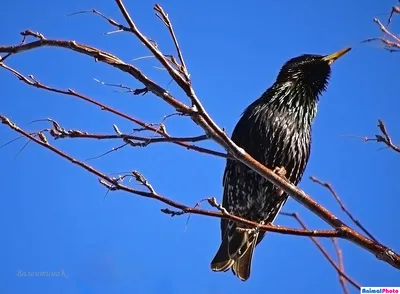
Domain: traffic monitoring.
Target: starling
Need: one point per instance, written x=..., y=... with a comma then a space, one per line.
x=275, y=130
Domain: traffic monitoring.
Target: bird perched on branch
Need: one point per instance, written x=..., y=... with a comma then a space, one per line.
x=276, y=131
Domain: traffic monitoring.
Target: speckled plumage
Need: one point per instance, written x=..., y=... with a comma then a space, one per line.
x=275, y=130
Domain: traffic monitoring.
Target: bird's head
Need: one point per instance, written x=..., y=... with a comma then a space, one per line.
x=309, y=72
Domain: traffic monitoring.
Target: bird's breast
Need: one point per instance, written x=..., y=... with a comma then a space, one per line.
x=277, y=139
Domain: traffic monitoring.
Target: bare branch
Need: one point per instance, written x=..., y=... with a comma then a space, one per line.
x=342, y=206
x=145, y=126
x=114, y=149
x=141, y=91
x=164, y=17
x=59, y=133
x=395, y=10
x=338, y=268
x=390, y=40
x=386, y=31
x=121, y=28
x=339, y=253
x=387, y=43
x=142, y=180
x=114, y=184
x=384, y=137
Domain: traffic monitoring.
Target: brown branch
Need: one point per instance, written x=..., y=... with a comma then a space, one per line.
x=142, y=180
x=384, y=137
x=34, y=83
x=145, y=141
x=114, y=184
x=342, y=206
x=134, y=141
x=337, y=267
x=395, y=9
x=165, y=19
x=59, y=133
x=110, y=20
x=114, y=149
x=339, y=253
x=141, y=91
x=387, y=43
x=100, y=56
x=151, y=46
x=390, y=40
x=386, y=31
x=201, y=117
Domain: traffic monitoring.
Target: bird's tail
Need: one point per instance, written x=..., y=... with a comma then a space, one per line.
x=235, y=252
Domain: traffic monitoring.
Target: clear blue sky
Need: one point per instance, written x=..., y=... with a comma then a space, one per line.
x=54, y=216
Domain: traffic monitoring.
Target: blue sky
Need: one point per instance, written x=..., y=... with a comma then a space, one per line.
x=55, y=216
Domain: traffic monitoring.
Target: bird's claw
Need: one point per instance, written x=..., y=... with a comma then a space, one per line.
x=280, y=171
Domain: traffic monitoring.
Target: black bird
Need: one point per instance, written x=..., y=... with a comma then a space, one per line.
x=275, y=130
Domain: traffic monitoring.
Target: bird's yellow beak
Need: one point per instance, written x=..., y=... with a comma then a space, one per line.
x=335, y=56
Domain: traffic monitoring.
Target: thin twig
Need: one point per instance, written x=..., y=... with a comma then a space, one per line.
x=164, y=17
x=387, y=43
x=121, y=86
x=339, y=253
x=392, y=43
x=386, y=31
x=342, y=206
x=340, y=272
x=110, y=20
x=395, y=9
x=384, y=137
x=114, y=149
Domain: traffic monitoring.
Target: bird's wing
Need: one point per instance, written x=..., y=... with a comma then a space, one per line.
x=237, y=176
x=225, y=198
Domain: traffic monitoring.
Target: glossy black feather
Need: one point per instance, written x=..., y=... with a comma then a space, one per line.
x=276, y=130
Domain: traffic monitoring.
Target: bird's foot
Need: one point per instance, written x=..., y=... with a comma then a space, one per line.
x=251, y=231
x=213, y=202
x=280, y=171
